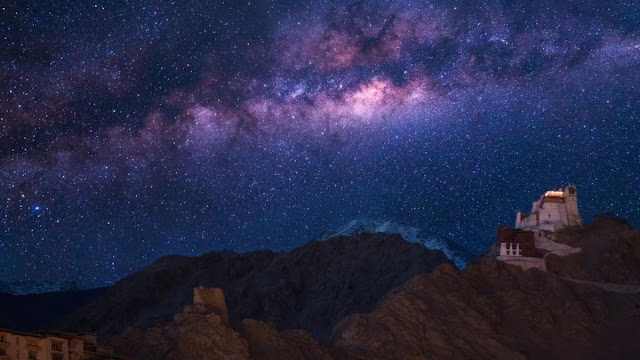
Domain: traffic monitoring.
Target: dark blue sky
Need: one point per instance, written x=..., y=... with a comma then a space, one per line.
x=131, y=130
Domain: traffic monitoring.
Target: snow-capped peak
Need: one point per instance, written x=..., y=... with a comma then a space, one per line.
x=411, y=234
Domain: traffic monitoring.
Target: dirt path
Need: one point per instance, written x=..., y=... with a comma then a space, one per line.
x=610, y=287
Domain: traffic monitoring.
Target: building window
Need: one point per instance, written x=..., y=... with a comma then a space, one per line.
x=57, y=357
x=56, y=346
x=3, y=351
x=33, y=355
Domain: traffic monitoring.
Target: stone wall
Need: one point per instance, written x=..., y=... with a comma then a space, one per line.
x=524, y=262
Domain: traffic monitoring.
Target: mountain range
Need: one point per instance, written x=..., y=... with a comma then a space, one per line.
x=455, y=252
x=36, y=287
x=373, y=296
x=309, y=288
x=432, y=241
x=587, y=306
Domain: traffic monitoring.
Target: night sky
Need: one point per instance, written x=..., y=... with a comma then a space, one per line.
x=130, y=130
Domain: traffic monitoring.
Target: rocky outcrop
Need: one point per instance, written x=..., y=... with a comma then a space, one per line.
x=493, y=310
x=610, y=253
x=200, y=332
x=309, y=288
x=190, y=336
x=267, y=343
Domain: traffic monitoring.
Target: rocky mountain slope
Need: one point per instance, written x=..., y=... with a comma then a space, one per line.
x=490, y=310
x=309, y=288
x=496, y=311
x=455, y=252
x=196, y=334
x=610, y=253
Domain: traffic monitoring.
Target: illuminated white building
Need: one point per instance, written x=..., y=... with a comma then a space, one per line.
x=534, y=236
x=554, y=211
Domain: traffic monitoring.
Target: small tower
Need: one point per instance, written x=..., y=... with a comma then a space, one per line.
x=211, y=299
x=571, y=202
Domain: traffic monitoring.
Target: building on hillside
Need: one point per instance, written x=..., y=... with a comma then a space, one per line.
x=516, y=242
x=534, y=236
x=52, y=345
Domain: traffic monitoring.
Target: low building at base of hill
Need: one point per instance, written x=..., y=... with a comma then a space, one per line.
x=52, y=345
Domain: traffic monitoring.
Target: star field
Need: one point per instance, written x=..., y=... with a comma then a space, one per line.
x=133, y=130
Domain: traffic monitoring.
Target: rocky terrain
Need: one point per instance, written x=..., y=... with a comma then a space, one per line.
x=610, y=253
x=490, y=310
x=194, y=334
x=370, y=296
x=496, y=311
x=309, y=288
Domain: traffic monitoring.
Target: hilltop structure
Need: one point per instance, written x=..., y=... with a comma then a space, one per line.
x=555, y=210
x=210, y=300
x=534, y=234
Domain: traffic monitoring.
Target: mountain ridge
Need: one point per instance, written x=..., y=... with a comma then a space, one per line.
x=311, y=287
x=430, y=240
x=489, y=310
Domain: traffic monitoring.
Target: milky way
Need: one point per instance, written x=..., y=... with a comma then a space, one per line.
x=132, y=131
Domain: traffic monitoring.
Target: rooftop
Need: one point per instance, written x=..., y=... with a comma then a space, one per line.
x=554, y=194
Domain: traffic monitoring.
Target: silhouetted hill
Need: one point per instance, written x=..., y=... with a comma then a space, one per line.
x=309, y=288
x=376, y=296
x=490, y=310
x=586, y=308
x=610, y=252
